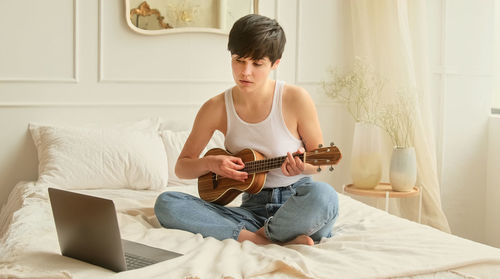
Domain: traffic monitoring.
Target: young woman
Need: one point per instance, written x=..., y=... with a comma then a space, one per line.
x=268, y=116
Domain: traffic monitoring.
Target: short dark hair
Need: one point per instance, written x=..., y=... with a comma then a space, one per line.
x=257, y=36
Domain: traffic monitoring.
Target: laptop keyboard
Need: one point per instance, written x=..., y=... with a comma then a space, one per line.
x=135, y=261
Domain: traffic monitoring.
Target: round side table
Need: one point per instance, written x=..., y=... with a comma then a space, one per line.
x=385, y=190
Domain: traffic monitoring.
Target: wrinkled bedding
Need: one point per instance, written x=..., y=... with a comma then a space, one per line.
x=367, y=243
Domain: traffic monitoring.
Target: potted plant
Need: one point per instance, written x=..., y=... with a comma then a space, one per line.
x=398, y=120
x=359, y=90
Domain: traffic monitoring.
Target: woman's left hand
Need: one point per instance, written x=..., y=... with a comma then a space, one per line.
x=293, y=165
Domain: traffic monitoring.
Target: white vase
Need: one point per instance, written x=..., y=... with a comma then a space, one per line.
x=403, y=171
x=366, y=162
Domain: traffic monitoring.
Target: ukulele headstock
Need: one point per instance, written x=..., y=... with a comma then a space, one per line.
x=324, y=156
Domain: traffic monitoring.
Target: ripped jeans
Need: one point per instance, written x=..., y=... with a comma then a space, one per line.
x=305, y=207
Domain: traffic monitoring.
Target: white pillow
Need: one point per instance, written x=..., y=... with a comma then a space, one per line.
x=174, y=142
x=121, y=156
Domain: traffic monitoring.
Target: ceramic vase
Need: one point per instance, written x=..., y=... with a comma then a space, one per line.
x=366, y=162
x=403, y=170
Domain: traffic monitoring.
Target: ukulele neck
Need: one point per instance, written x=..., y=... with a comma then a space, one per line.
x=267, y=164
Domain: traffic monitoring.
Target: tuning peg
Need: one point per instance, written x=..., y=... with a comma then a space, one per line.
x=331, y=168
x=318, y=169
x=332, y=144
x=320, y=145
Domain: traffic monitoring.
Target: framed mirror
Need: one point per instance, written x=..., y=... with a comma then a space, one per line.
x=156, y=17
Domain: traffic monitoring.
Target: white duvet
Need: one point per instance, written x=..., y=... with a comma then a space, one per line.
x=368, y=243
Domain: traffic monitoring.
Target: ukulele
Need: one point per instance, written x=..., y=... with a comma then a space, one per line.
x=222, y=190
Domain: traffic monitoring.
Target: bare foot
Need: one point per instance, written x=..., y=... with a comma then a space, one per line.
x=259, y=237
x=301, y=239
x=254, y=237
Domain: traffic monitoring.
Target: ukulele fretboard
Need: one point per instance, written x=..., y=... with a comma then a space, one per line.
x=266, y=164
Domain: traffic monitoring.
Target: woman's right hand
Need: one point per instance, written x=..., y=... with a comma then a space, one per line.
x=227, y=166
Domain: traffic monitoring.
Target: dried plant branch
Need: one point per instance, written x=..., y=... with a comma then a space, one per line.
x=360, y=90
x=398, y=119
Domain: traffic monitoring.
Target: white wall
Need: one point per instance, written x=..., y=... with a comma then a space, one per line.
x=492, y=224
x=496, y=94
x=77, y=61
x=462, y=40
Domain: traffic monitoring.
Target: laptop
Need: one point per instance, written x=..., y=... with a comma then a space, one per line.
x=87, y=229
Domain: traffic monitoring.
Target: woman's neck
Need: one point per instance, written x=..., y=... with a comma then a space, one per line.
x=256, y=96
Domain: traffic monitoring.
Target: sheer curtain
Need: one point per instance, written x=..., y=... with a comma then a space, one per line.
x=391, y=35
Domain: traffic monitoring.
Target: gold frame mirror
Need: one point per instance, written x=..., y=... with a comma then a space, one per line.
x=156, y=17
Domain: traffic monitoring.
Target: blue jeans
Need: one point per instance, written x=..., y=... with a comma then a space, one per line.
x=305, y=207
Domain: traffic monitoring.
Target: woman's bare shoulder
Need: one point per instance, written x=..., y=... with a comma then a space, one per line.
x=294, y=96
x=212, y=114
x=214, y=104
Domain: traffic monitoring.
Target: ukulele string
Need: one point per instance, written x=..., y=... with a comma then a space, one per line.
x=263, y=165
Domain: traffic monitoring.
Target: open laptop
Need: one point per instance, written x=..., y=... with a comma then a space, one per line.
x=87, y=229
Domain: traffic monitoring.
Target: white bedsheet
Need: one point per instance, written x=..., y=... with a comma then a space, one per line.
x=368, y=243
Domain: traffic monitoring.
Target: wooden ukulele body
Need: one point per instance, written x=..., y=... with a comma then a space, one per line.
x=221, y=190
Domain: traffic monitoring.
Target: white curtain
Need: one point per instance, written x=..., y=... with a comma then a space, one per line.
x=391, y=35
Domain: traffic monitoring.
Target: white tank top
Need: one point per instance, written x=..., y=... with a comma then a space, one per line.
x=270, y=137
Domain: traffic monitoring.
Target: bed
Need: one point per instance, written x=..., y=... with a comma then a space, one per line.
x=133, y=163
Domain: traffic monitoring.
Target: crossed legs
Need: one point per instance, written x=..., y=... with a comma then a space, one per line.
x=306, y=217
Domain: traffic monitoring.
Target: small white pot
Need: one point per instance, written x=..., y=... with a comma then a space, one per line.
x=403, y=171
x=366, y=162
